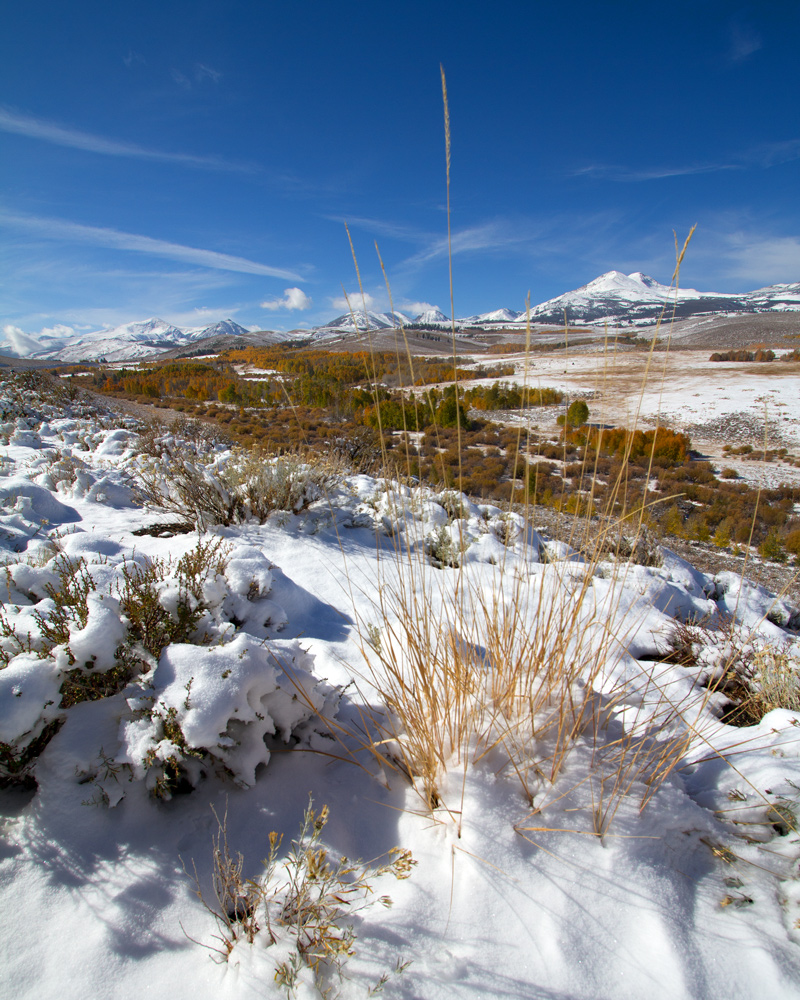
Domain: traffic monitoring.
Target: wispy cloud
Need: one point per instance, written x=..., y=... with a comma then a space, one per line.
x=758, y=258
x=612, y=172
x=134, y=57
x=181, y=79
x=759, y=157
x=293, y=298
x=381, y=227
x=59, y=135
x=200, y=73
x=743, y=41
x=488, y=236
x=772, y=153
x=203, y=72
x=74, y=232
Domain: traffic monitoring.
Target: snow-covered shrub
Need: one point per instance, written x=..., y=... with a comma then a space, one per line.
x=748, y=675
x=162, y=605
x=442, y=548
x=288, y=483
x=75, y=631
x=156, y=440
x=245, y=487
x=300, y=906
x=216, y=709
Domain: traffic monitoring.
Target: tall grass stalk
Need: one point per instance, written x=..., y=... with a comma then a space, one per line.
x=512, y=666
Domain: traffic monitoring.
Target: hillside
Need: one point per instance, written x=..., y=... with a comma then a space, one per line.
x=582, y=759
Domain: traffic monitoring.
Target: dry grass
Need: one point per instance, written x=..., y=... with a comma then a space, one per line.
x=509, y=669
x=301, y=903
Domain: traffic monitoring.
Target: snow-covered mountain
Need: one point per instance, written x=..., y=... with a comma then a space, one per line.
x=225, y=328
x=637, y=299
x=133, y=340
x=501, y=316
x=634, y=299
x=359, y=322
x=618, y=299
x=432, y=317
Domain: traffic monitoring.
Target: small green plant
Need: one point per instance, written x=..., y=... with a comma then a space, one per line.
x=576, y=416
x=150, y=622
x=772, y=548
x=69, y=603
x=442, y=549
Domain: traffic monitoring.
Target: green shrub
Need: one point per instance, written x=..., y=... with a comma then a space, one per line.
x=772, y=548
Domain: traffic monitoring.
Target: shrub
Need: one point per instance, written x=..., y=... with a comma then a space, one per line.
x=577, y=414
x=141, y=590
x=189, y=710
x=772, y=548
x=302, y=903
x=791, y=542
x=248, y=486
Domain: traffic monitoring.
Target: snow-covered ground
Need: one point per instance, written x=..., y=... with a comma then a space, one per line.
x=715, y=402
x=523, y=886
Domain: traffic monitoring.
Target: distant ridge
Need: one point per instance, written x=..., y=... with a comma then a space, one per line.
x=132, y=341
x=614, y=298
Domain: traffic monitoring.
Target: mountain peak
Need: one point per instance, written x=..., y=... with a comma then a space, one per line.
x=433, y=315
x=645, y=279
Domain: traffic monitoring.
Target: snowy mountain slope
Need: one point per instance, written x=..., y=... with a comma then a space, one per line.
x=432, y=317
x=134, y=340
x=225, y=327
x=640, y=300
x=357, y=322
x=526, y=885
x=620, y=299
x=498, y=316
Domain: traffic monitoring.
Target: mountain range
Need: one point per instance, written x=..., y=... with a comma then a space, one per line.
x=616, y=299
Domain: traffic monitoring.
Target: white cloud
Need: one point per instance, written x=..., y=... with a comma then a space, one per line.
x=764, y=156
x=134, y=57
x=356, y=302
x=617, y=173
x=293, y=298
x=75, y=232
x=17, y=341
x=22, y=343
x=763, y=260
x=58, y=332
x=495, y=235
x=415, y=308
x=37, y=128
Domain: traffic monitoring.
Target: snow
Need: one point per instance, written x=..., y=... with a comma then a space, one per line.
x=433, y=315
x=722, y=402
x=614, y=297
x=572, y=891
x=359, y=322
x=140, y=339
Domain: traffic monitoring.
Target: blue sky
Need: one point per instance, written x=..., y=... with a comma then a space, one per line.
x=198, y=160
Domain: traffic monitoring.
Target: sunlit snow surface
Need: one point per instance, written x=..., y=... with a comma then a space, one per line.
x=96, y=902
